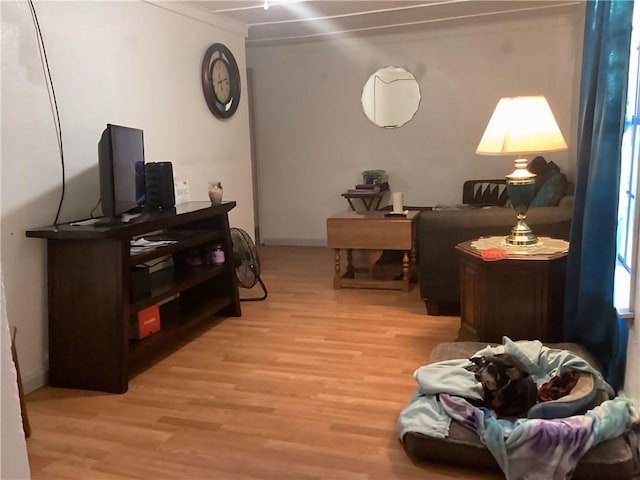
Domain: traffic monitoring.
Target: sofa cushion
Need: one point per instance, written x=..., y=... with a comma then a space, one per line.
x=561, y=190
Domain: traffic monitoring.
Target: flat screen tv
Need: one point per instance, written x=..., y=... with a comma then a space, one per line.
x=121, y=165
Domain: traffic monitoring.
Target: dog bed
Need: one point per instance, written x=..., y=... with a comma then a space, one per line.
x=610, y=459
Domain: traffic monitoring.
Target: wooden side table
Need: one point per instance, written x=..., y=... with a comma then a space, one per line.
x=375, y=232
x=521, y=296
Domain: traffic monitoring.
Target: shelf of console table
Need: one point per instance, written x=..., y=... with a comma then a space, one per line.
x=90, y=306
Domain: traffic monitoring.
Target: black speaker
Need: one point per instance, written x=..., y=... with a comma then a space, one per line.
x=159, y=185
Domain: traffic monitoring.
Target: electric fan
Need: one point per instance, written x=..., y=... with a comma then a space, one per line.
x=246, y=261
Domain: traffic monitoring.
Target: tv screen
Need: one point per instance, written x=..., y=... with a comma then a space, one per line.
x=121, y=164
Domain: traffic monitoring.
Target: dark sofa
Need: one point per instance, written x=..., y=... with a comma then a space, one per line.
x=441, y=229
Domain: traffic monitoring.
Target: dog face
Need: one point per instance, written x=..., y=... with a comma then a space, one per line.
x=496, y=371
x=506, y=385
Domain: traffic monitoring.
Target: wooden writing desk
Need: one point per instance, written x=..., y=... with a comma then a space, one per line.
x=372, y=231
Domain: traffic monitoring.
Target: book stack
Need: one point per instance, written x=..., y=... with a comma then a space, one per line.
x=368, y=188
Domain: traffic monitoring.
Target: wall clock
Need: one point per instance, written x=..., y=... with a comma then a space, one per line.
x=220, y=81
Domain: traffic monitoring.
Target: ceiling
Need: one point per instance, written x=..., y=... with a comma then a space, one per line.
x=305, y=20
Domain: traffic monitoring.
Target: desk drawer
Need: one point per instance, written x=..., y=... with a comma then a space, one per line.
x=370, y=233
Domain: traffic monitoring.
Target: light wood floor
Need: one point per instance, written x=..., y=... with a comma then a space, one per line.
x=305, y=385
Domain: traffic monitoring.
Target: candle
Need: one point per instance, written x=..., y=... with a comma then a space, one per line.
x=398, y=202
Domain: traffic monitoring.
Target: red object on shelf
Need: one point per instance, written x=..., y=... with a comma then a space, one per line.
x=148, y=322
x=493, y=254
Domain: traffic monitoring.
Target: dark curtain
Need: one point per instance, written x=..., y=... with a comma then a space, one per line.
x=590, y=318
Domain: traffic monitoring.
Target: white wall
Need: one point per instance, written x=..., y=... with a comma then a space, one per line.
x=13, y=449
x=128, y=63
x=313, y=140
x=632, y=379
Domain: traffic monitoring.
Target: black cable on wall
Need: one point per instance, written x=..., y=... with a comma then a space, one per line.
x=52, y=99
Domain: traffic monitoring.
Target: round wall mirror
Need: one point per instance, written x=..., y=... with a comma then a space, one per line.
x=391, y=96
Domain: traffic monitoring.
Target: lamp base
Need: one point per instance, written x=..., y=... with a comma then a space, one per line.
x=521, y=187
x=521, y=234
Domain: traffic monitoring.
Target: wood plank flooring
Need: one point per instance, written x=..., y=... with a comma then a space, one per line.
x=307, y=384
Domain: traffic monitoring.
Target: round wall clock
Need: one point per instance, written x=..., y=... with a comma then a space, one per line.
x=220, y=81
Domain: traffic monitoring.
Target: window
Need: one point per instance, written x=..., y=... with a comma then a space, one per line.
x=627, y=236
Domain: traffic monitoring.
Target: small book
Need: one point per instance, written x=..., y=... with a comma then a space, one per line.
x=363, y=191
x=396, y=214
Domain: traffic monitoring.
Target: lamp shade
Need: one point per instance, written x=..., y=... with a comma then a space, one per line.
x=521, y=125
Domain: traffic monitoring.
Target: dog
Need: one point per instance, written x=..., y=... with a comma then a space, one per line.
x=507, y=387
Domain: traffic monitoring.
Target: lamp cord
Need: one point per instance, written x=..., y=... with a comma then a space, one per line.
x=95, y=207
x=52, y=100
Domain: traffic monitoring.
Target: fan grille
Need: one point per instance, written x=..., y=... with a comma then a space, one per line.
x=245, y=257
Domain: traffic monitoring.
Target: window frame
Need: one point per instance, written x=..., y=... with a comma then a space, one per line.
x=628, y=230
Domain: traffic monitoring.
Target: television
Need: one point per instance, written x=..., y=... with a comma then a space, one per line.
x=121, y=166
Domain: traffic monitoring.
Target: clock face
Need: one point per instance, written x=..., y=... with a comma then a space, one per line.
x=220, y=81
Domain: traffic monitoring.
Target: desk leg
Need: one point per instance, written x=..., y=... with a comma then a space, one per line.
x=374, y=256
x=412, y=265
x=350, y=273
x=405, y=271
x=337, y=282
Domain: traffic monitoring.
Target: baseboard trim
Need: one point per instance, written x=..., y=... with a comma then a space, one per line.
x=36, y=381
x=295, y=242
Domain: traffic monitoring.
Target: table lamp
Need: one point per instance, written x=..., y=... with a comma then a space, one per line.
x=521, y=126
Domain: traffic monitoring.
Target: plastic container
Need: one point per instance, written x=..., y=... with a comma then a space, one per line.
x=217, y=256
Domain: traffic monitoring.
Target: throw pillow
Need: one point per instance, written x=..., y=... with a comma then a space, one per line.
x=561, y=191
x=546, y=192
x=490, y=194
x=537, y=165
x=482, y=193
x=544, y=170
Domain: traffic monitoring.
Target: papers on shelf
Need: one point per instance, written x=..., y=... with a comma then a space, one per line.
x=140, y=245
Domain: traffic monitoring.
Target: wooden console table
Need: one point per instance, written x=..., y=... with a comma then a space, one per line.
x=374, y=232
x=521, y=296
x=90, y=279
